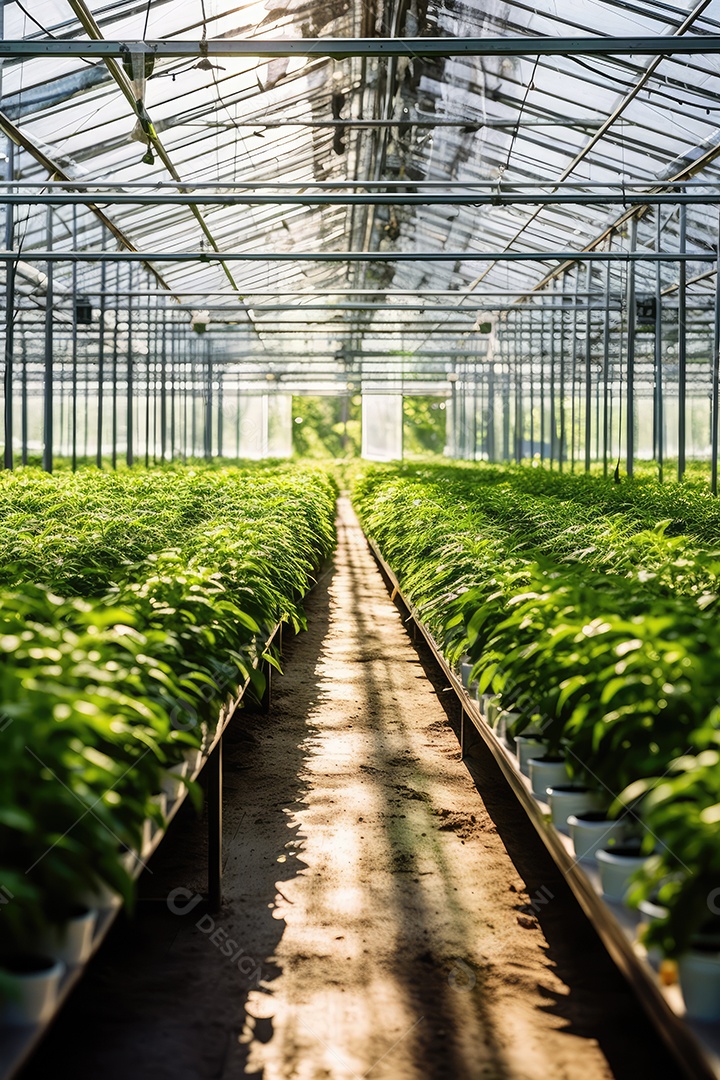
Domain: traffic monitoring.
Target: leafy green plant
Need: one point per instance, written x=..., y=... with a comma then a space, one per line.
x=91, y=685
x=681, y=807
x=590, y=608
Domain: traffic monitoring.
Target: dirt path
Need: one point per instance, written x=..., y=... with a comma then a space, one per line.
x=378, y=921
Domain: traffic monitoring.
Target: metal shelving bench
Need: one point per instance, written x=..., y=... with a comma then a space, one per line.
x=695, y=1045
x=18, y=1043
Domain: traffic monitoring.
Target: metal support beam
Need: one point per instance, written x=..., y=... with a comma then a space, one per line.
x=606, y=372
x=163, y=393
x=208, y=395
x=715, y=397
x=360, y=256
x=682, y=348
x=492, y=197
x=342, y=48
x=74, y=349
x=49, y=357
x=553, y=402
x=659, y=424
x=630, y=382
x=588, y=376
x=129, y=411
x=214, y=804
x=101, y=361
x=573, y=376
x=9, y=322
x=92, y=29
x=114, y=373
x=19, y=138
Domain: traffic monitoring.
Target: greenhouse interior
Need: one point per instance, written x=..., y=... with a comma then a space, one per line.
x=359, y=539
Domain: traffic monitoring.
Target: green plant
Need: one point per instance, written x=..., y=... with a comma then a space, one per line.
x=590, y=608
x=92, y=685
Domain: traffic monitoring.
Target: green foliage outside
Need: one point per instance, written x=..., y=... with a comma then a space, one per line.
x=424, y=426
x=330, y=427
x=326, y=427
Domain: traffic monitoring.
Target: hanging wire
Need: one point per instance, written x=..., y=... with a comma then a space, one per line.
x=49, y=33
x=530, y=86
x=147, y=18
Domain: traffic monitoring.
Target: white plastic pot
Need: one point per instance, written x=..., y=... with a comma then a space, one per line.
x=72, y=941
x=567, y=799
x=527, y=748
x=491, y=709
x=616, y=871
x=505, y=721
x=35, y=994
x=131, y=861
x=172, y=784
x=699, y=975
x=99, y=898
x=194, y=760
x=588, y=833
x=465, y=669
x=149, y=825
x=533, y=730
x=651, y=911
x=547, y=772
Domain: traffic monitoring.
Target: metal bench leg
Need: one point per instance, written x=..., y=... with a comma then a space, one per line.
x=214, y=817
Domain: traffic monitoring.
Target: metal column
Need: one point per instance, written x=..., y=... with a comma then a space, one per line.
x=148, y=338
x=9, y=318
x=573, y=380
x=214, y=772
x=682, y=347
x=562, y=444
x=47, y=458
x=553, y=409
x=659, y=402
x=101, y=359
x=163, y=389
x=716, y=376
x=630, y=352
x=606, y=371
x=129, y=417
x=588, y=370
x=24, y=404
x=74, y=373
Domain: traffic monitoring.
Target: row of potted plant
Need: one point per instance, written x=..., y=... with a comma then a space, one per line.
x=107, y=703
x=601, y=645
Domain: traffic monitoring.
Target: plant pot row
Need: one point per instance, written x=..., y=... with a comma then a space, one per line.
x=578, y=810
x=32, y=982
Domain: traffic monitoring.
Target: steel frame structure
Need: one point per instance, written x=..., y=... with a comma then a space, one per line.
x=586, y=337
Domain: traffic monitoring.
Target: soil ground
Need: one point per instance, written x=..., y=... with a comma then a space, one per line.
x=388, y=910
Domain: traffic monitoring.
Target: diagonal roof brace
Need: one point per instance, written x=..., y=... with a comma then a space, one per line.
x=92, y=29
x=56, y=172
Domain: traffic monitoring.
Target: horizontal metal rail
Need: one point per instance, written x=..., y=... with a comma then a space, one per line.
x=342, y=48
x=487, y=198
x=356, y=256
x=461, y=309
x=282, y=290
x=99, y=186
